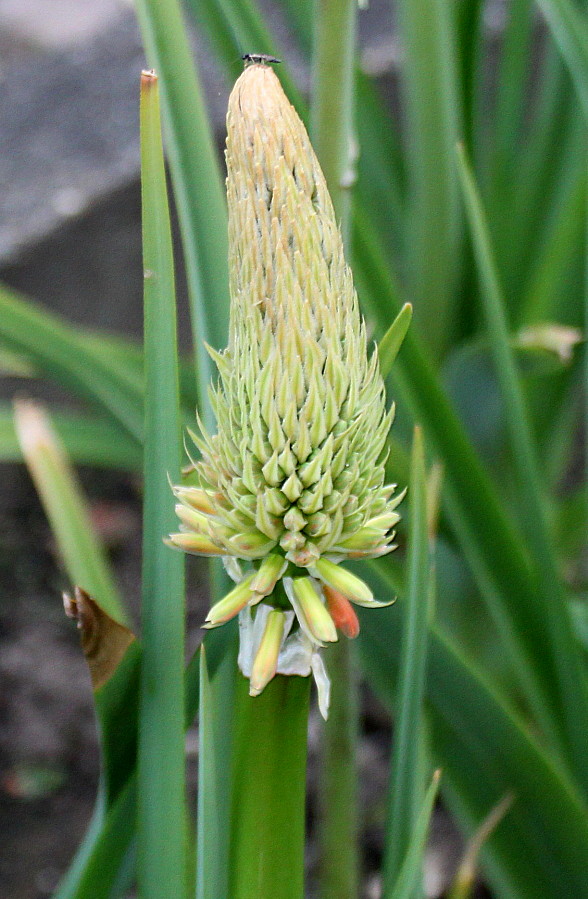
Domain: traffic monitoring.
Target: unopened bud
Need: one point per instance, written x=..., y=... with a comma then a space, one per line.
x=266, y=660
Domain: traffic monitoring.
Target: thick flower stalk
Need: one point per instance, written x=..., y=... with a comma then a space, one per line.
x=292, y=484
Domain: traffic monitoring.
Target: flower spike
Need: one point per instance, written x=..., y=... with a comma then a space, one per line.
x=292, y=483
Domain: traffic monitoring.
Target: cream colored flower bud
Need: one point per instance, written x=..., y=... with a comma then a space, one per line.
x=293, y=481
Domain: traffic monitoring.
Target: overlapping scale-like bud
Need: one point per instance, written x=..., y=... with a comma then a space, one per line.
x=292, y=483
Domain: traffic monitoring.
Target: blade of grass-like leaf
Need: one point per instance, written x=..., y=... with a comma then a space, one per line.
x=86, y=565
x=569, y=26
x=197, y=181
x=56, y=349
x=391, y=342
x=518, y=859
x=129, y=354
x=411, y=871
x=62, y=498
x=468, y=36
x=217, y=712
x=485, y=751
x=558, y=447
x=571, y=679
x=332, y=109
x=465, y=877
x=405, y=789
x=433, y=122
x=99, y=858
x=551, y=140
x=547, y=292
x=15, y=365
x=161, y=827
x=87, y=440
x=511, y=93
x=110, y=839
x=370, y=266
x=380, y=169
x=113, y=655
x=491, y=545
x=104, y=368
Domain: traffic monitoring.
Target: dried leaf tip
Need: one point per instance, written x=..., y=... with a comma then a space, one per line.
x=104, y=640
x=148, y=78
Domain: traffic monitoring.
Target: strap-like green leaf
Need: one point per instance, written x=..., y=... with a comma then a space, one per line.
x=161, y=825
x=485, y=750
x=559, y=646
x=405, y=789
x=87, y=369
x=83, y=555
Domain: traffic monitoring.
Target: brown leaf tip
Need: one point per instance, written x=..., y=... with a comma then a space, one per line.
x=104, y=640
x=148, y=78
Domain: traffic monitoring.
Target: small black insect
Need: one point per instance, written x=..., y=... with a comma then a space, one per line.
x=258, y=58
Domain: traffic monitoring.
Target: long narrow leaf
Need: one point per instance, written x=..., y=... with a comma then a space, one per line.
x=411, y=870
x=433, y=122
x=56, y=349
x=569, y=26
x=491, y=544
x=218, y=673
x=62, y=498
x=485, y=751
x=197, y=182
x=391, y=342
x=87, y=440
x=110, y=839
x=511, y=92
x=551, y=600
x=405, y=790
x=547, y=296
x=551, y=142
x=162, y=859
x=464, y=880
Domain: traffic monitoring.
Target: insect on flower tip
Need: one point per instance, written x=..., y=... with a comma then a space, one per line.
x=251, y=59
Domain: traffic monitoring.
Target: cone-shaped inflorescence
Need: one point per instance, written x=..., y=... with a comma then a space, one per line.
x=293, y=481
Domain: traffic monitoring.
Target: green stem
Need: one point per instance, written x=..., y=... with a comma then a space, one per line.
x=267, y=851
x=332, y=134
x=338, y=823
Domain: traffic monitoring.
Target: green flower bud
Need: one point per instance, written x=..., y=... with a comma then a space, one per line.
x=293, y=481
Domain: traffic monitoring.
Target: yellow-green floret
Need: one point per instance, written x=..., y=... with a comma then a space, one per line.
x=293, y=480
